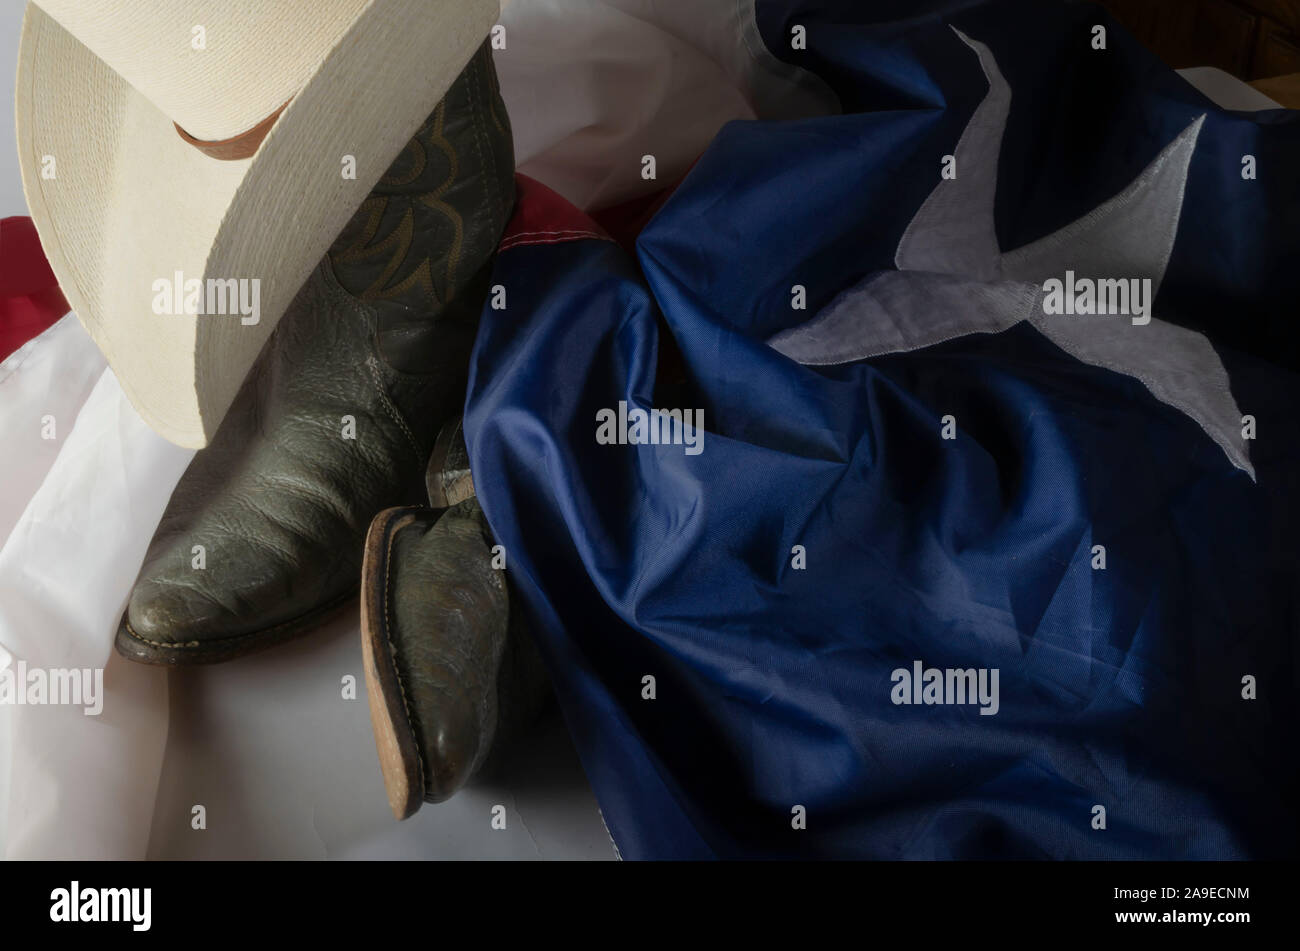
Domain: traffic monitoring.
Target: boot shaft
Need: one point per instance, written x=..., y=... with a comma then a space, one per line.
x=419, y=249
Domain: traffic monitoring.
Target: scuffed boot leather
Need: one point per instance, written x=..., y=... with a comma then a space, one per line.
x=451, y=671
x=263, y=537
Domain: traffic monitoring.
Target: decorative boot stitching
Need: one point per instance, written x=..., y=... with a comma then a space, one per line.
x=384, y=204
x=373, y=365
x=477, y=121
x=435, y=199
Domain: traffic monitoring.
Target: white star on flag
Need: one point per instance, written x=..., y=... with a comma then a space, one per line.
x=953, y=279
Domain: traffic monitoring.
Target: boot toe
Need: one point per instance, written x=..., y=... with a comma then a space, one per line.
x=243, y=599
x=169, y=621
x=434, y=619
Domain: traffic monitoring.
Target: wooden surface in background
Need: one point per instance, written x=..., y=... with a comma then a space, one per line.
x=1252, y=39
x=1284, y=90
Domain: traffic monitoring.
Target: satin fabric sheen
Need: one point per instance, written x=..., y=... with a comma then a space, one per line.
x=1121, y=688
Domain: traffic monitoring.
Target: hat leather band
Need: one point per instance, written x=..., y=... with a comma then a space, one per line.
x=241, y=146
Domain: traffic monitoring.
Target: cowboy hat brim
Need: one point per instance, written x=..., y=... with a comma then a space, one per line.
x=122, y=202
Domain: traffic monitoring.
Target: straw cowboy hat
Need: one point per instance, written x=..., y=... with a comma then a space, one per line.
x=187, y=164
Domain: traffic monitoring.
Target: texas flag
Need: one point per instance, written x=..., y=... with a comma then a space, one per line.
x=990, y=549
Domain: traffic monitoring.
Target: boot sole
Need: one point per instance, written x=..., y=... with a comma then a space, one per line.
x=221, y=649
x=395, y=740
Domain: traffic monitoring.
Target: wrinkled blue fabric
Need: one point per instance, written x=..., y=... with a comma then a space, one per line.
x=1120, y=688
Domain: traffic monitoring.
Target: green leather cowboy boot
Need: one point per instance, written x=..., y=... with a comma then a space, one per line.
x=451, y=672
x=263, y=537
